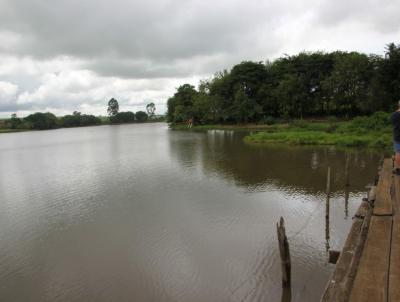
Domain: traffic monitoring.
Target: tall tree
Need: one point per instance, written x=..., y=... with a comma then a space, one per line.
x=113, y=107
x=151, y=108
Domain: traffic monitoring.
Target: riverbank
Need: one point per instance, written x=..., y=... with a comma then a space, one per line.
x=238, y=127
x=10, y=130
x=323, y=134
x=6, y=130
x=368, y=132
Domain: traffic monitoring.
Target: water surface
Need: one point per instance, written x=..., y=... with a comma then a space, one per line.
x=143, y=213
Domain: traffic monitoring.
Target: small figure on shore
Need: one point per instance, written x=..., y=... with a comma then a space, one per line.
x=396, y=139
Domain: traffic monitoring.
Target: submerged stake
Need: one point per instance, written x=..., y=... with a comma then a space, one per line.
x=285, y=253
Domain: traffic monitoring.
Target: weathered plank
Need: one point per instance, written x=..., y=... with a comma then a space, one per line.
x=394, y=273
x=340, y=285
x=371, y=282
x=383, y=201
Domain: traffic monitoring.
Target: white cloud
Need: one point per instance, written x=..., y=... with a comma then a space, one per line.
x=75, y=55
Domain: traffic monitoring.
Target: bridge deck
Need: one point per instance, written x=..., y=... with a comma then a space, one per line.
x=369, y=266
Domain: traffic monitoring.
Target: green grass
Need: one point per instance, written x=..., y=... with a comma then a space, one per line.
x=6, y=130
x=366, y=132
x=239, y=127
x=373, y=140
x=345, y=134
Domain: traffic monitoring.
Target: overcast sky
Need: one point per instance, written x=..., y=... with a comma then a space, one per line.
x=66, y=55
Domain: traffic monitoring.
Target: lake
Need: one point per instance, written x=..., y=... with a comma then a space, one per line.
x=143, y=213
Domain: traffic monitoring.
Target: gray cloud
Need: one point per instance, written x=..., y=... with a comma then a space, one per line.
x=69, y=53
x=161, y=30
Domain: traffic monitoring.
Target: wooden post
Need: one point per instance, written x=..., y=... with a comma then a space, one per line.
x=346, y=171
x=346, y=202
x=328, y=191
x=286, y=294
x=285, y=253
x=327, y=206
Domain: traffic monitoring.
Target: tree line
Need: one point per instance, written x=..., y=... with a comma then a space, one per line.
x=117, y=117
x=309, y=84
x=47, y=120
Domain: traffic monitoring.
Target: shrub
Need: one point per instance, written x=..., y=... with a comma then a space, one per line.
x=123, y=117
x=269, y=120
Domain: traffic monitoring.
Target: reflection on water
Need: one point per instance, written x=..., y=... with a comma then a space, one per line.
x=256, y=168
x=142, y=213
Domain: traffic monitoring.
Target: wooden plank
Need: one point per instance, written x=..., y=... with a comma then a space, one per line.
x=337, y=287
x=340, y=285
x=394, y=273
x=371, y=282
x=383, y=201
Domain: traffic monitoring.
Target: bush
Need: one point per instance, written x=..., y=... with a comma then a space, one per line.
x=123, y=117
x=377, y=121
x=269, y=120
x=77, y=119
x=141, y=116
x=300, y=124
x=42, y=121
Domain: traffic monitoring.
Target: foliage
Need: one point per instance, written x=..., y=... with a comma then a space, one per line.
x=373, y=132
x=77, y=120
x=269, y=120
x=150, y=108
x=309, y=84
x=113, y=107
x=42, y=121
x=122, y=117
x=141, y=116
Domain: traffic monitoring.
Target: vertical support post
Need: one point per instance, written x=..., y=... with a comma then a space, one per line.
x=328, y=192
x=285, y=253
x=327, y=206
x=346, y=202
x=346, y=171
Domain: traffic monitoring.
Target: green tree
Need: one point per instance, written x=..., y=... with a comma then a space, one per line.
x=113, y=107
x=42, y=121
x=15, y=122
x=180, y=106
x=150, y=108
x=141, y=116
x=123, y=117
x=348, y=86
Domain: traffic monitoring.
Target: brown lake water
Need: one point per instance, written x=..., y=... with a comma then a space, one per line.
x=144, y=213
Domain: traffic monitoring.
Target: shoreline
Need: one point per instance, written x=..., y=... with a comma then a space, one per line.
x=8, y=130
x=312, y=133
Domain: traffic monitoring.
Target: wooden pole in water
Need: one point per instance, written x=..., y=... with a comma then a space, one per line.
x=346, y=202
x=285, y=253
x=328, y=192
x=346, y=171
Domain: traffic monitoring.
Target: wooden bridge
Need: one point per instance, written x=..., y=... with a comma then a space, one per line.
x=368, y=268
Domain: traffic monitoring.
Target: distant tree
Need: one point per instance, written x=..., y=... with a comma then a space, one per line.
x=14, y=122
x=77, y=119
x=180, y=106
x=348, y=86
x=150, y=108
x=42, y=121
x=303, y=85
x=141, y=116
x=123, y=117
x=113, y=107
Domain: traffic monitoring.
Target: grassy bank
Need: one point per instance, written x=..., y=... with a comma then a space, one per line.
x=369, y=132
x=238, y=127
x=6, y=130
